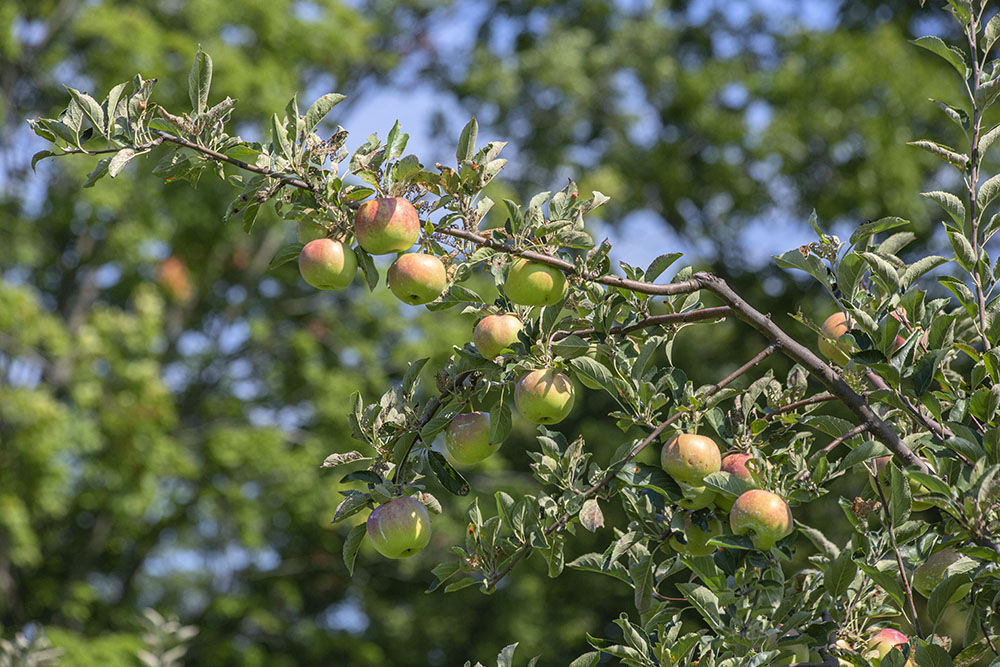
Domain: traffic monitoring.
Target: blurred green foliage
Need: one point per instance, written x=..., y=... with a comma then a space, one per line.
x=165, y=401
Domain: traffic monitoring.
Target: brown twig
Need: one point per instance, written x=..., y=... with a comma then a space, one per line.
x=791, y=407
x=857, y=430
x=656, y=320
x=899, y=557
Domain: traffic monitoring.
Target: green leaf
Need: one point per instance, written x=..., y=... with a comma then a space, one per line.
x=279, y=136
x=950, y=203
x=449, y=477
x=352, y=545
x=867, y=229
x=899, y=494
x=964, y=254
x=320, y=108
x=861, y=453
x=199, y=81
x=91, y=109
x=555, y=556
x=949, y=155
x=118, y=162
x=812, y=265
x=883, y=269
x=704, y=602
x=284, y=255
x=988, y=191
x=39, y=156
x=937, y=46
x=930, y=655
x=660, y=264
x=343, y=458
x=589, y=659
x=500, y=423
x=467, y=141
x=991, y=33
x=591, y=516
x=594, y=370
x=840, y=574
x=506, y=656
x=100, y=169
x=919, y=268
x=642, y=580
x=367, y=267
x=395, y=142
x=987, y=139
x=353, y=502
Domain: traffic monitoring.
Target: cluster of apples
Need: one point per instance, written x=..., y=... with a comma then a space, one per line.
x=761, y=515
x=401, y=527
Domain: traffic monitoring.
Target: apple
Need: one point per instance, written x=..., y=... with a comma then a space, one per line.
x=762, y=514
x=327, y=264
x=310, y=231
x=834, y=327
x=416, y=278
x=688, y=458
x=736, y=464
x=696, y=497
x=400, y=527
x=385, y=225
x=544, y=396
x=931, y=573
x=884, y=641
x=696, y=538
x=533, y=284
x=468, y=438
x=494, y=334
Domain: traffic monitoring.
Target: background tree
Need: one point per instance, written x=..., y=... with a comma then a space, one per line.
x=151, y=506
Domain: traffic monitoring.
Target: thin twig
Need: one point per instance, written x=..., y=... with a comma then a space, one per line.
x=899, y=557
x=857, y=430
x=656, y=320
x=818, y=398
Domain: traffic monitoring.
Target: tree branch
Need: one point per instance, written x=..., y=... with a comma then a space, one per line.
x=656, y=320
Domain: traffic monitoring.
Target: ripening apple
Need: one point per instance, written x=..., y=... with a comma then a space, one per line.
x=533, y=284
x=310, y=231
x=763, y=515
x=697, y=538
x=327, y=264
x=400, y=527
x=416, y=278
x=834, y=327
x=688, y=458
x=494, y=334
x=884, y=641
x=385, y=225
x=735, y=464
x=932, y=571
x=544, y=396
x=468, y=438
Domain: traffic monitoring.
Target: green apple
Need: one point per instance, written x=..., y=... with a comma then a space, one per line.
x=327, y=264
x=400, y=527
x=533, y=284
x=688, y=458
x=931, y=573
x=696, y=537
x=883, y=641
x=544, y=396
x=834, y=327
x=696, y=497
x=763, y=515
x=468, y=438
x=310, y=231
x=494, y=334
x=385, y=225
x=416, y=278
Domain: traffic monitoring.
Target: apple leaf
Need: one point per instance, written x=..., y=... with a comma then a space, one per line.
x=284, y=255
x=467, y=141
x=660, y=264
x=704, y=602
x=199, y=81
x=840, y=574
x=588, y=659
x=353, y=503
x=555, y=556
x=320, y=108
x=39, y=156
x=351, y=546
x=450, y=478
x=367, y=267
x=506, y=656
x=591, y=516
x=594, y=370
x=500, y=423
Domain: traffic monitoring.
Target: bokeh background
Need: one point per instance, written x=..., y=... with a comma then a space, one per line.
x=165, y=400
